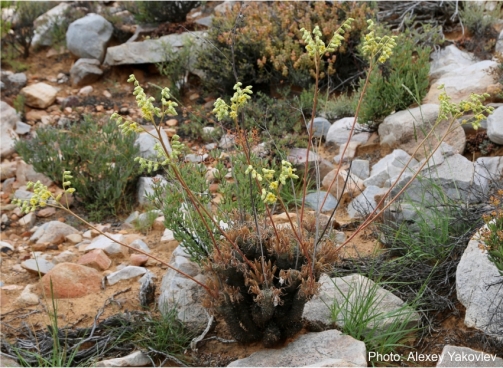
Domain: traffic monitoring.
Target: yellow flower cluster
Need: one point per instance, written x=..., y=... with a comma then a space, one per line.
x=474, y=104
x=177, y=148
x=375, y=46
x=316, y=47
x=239, y=99
x=269, y=196
x=42, y=195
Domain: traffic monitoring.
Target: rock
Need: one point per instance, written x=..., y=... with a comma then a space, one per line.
x=27, y=220
x=35, y=115
x=298, y=156
x=224, y=7
x=37, y=266
x=147, y=289
x=310, y=349
x=70, y=280
x=389, y=167
x=495, y=126
x=22, y=128
x=46, y=212
x=183, y=294
x=8, y=121
x=360, y=168
x=406, y=130
x=138, y=259
x=110, y=247
x=87, y=37
x=39, y=95
x=338, y=133
x=499, y=44
x=488, y=170
x=352, y=188
x=126, y=273
x=351, y=292
x=205, y=21
x=152, y=51
x=27, y=298
x=15, y=82
x=52, y=232
x=167, y=236
x=192, y=157
x=461, y=82
x=146, y=143
x=146, y=187
x=457, y=356
x=7, y=170
x=136, y=359
x=31, y=175
x=85, y=91
x=140, y=244
x=74, y=238
x=8, y=362
x=452, y=173
x=320, y=128
x=6, y=247
x=44, y=24
x=228, y=141
x=448, y=59
x=66, y=256
x=314, y=201
x=474, y=275
x=85, y=72
x=365, y=203
x=349, y=150
x=96, y=259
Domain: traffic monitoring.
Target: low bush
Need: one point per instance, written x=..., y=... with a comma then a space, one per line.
x=267, y=46
x=160, y=11
x=100, y=157
x=493, y=234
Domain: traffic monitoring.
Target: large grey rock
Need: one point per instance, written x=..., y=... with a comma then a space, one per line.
x=87, y=37
x=451, y=173
x=39, y=95
x=488, y=170
x=388, y=167
x=314, y=201
x=474, y=276
x=183, y=294
x=8, y=121
x=151, y=51
x=406, y=130
x=85, y=72
x=146, y=143
x=52, y=232
x=348, y=294
x=146, y=187
x=338, y=133
x=461, y=82
x=457, y=356
x=361, y=168
x=495, y=126
x=365, y=202
x=320, y=127
x=311, y=349
x=44, y=24
x=37, y=266
x=448, y=59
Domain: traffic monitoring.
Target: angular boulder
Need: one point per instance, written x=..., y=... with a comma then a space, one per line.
x=52, y=232
x=8, y=121
x=44, y=24
x=87, y=37
x=495, y=126
x=39, y=95
x=70, y=280
x=85, y=71
x=338, y=133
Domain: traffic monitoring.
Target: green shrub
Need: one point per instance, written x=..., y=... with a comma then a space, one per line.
x=340, y=107
x=408, y=66
x=161, y=11
x=493, y=235
x=100, y=157
x=268, y=44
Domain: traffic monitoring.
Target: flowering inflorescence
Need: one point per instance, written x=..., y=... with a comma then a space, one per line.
x=316, y=47
x=456, y=110
x=41, y=194
x=239, y=99
x=163, y=159
x=375, y=46
x=269, y=196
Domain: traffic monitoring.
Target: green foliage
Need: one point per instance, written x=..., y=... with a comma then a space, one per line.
x=160, y=11
x=340, y=107
x=177, y=65
x=269, y=47
x=101, y=159
x=18, y=103
x=477, y=19
x=145, y=221
x=493, y=234
x=357, y=312
x=22, y=31
x=408, y=66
